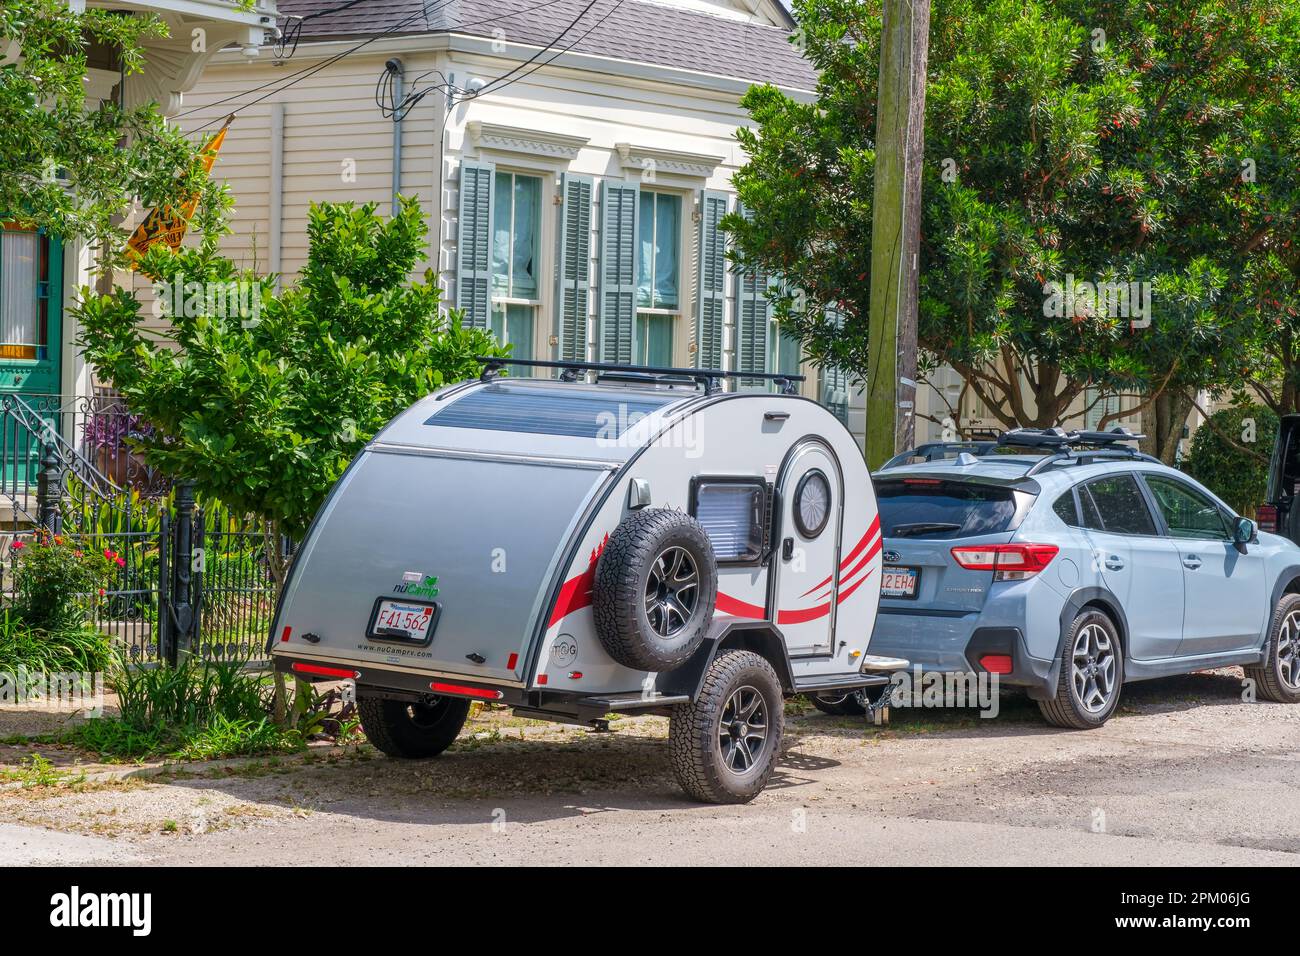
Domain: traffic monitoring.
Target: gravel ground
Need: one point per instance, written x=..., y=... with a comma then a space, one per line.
x=1185, y=774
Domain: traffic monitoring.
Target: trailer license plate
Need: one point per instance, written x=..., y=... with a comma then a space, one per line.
x=407, y=621
x=898, y=582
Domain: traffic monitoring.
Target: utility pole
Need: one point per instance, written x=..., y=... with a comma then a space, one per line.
x=896, y=228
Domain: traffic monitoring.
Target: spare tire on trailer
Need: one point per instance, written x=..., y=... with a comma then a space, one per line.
x=655, y=589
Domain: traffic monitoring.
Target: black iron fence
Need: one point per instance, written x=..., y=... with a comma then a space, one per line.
x=190, y=575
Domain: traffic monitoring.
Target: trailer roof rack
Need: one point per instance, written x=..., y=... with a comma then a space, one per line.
x=1058, y=445
x=707, y=378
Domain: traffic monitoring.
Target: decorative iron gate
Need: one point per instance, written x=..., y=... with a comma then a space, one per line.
x=189, y=578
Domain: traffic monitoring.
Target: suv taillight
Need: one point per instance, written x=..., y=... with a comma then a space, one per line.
x=1009, y=562
x=1266, y=517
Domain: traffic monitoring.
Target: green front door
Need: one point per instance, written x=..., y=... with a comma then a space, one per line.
x=31, y=336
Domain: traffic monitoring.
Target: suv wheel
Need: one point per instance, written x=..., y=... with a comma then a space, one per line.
x=1278, y=677
x=724, y=745
x=1092, y=674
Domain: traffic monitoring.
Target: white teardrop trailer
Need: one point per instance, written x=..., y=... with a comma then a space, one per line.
x=643, y=542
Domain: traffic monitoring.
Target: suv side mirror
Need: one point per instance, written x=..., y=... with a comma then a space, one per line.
x=1243, y=532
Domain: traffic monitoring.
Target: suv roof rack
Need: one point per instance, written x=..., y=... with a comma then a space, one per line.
x=1080, y=446
x=707, y=378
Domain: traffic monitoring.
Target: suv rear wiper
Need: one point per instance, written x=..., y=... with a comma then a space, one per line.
x=921, y=527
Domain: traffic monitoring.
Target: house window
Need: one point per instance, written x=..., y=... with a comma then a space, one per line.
x=658, y=278
x=1096, y=407
x=24, y=273
x=516, y=291
x=783, y=352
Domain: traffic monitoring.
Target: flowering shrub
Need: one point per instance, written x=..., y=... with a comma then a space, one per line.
x=111, y=428
x=55, y=581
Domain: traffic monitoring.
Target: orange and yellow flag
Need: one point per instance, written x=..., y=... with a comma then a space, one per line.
x=165, y=224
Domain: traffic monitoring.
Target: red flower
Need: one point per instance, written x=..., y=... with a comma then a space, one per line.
x=102, y=592
x=121, y=563
x=78, y=554
x=18, y=546
x=109, y=554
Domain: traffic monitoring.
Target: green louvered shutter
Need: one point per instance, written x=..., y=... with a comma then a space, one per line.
x=574, y=286
x=752, y=319
x=835, y=381
x=711, y=286
x=618, y=214
x=474, y=243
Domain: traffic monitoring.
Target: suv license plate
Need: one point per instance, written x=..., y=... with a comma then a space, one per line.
x=899, y=582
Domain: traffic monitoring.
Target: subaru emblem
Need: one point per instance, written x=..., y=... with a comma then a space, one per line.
x=893, y=556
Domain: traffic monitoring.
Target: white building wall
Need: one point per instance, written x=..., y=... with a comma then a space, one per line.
x=671, y=135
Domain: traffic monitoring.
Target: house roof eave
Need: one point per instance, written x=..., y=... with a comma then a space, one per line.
x=514, y=52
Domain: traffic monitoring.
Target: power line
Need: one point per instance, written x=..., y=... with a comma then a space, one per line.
x=383, y=86
x=496, y=83
x=533, y=58
x=304, y=73
x=307, y=70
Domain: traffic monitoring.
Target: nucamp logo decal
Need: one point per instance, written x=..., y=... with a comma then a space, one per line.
x=427, y=588
x=75, y=908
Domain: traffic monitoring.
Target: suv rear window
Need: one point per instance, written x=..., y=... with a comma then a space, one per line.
x=934, y=508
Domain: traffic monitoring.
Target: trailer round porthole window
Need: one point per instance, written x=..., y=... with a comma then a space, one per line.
x=812, y=503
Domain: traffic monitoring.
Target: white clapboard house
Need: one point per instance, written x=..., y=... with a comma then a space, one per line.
x=575, y=157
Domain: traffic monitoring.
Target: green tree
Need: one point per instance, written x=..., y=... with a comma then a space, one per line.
x=1094, y=139
x=1266, y=200
x=70, y=169
x=1231, y=452
x=262, y=399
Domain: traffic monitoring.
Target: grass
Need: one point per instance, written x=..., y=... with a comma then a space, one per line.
x=198, y=710
x=37, y=771
x=74, y=651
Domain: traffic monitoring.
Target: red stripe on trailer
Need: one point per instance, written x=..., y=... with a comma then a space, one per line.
x=804, y=615
x=848, y=592
x=575, y=593
x=738, y=608
x=866, y=558
x=871, y=532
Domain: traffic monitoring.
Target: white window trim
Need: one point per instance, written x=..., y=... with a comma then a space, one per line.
x=646, y=161
x=557, y=148
x=543, y=257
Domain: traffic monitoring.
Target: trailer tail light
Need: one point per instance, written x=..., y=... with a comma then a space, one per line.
x=511, y=661
x=996, y=663
x=465, y=690
x=1266, y=516
x=1008, y=562
x=284, y=635
x=318, y=670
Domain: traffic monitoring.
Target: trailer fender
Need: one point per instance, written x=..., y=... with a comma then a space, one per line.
x=761, y=637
